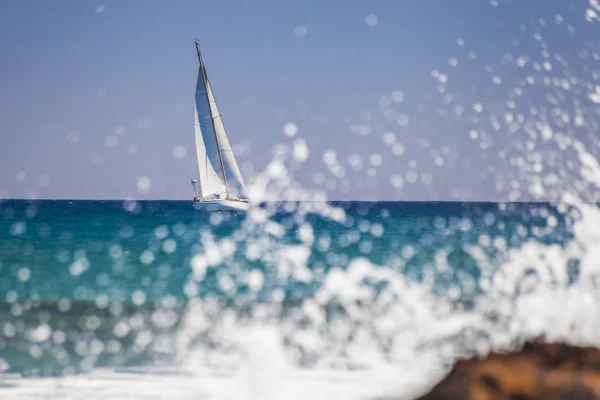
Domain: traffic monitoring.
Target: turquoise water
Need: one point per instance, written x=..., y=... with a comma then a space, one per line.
x=89, y=284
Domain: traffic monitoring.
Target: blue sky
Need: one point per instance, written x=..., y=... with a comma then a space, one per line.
x=122, y=75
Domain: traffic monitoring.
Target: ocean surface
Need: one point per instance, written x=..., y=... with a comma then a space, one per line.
x=367, y=300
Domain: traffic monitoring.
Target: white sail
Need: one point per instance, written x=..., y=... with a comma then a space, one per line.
x=217, y=167
x=235, y=183
x=211, y=182
x=210, y=167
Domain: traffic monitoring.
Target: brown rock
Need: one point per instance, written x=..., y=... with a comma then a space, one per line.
x=539, y=371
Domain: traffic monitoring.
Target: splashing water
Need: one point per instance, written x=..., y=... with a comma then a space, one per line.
x=307, y=298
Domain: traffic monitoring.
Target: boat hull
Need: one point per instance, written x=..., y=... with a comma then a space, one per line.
x=221, y=205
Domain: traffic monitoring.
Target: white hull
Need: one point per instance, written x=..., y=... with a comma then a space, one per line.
x=221, y=205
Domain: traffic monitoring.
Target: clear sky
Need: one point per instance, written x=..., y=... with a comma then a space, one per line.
x=96, y=94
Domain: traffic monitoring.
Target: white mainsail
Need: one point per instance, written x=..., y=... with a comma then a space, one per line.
x=211, y=181
x=217, y=167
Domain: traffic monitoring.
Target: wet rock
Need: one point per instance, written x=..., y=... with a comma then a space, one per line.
x=540, y=371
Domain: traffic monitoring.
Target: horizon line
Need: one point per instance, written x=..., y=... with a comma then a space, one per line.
x=313, y=201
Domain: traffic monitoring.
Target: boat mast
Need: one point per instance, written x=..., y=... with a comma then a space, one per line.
x=212, y=118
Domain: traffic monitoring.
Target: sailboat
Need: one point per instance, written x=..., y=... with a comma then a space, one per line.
x=220, y=186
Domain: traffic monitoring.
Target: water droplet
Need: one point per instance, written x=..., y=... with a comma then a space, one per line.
x=403, y=120
x=138, y=297
x=63, y=305
x=290, y=129
x=559, y=18
x=590, y=15
x=300, y=31
x=169, y=246
x=411, y=176
x=18, y=228
x=376, y=159
x=389, y=138
x=161, y=231
x=79, y=266
x=398, y=149
x=24, y=274
x=300, y=150
x=372, y=20
x=355, y=162
x=179, y=152
x=40, y=334
x=121, y=329
x=397, y=96
x=276, y=169
x=521, y=61
x=397, y=180
x=111, y=141
x=330, y=157
x=146, y=257
x=143, y=184
x=255, y=280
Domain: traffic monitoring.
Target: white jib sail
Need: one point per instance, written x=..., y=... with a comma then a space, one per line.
x=234, y=181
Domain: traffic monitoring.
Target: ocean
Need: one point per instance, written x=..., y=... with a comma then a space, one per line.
x=366, y=300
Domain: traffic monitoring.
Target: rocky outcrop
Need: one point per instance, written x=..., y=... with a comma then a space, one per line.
x=540, y=371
